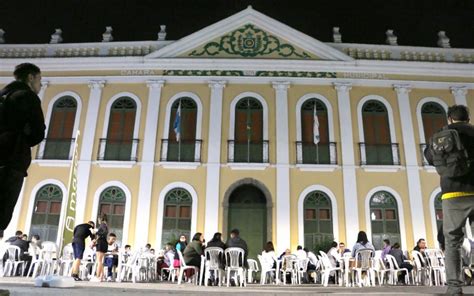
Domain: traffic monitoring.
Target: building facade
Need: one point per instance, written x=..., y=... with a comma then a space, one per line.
x=243, y=95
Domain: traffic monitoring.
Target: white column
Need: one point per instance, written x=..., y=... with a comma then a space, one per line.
x=282, y=166
x=148, y=163
x=348, y=162
x=44, y=85
x=85, y=157
x=410, y=148
x=459, y=93
x=214, y=159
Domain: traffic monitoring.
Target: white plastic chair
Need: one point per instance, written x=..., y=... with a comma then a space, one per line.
x=13, y=261
x=267, y=268
x=288, y=268
x=87, y=263
x=435, y=266
x=301, y=267
x=253, y=267
x=394, y=270
x=130, y=269
x=327, y=269
x=421, y=275
x=50, y=254
x=184, y=267
x=66, y=261
x=213, y=257
x=363, y=263
x=36, y=261
x=379, y=270
x=171, y=270
x=235, y=262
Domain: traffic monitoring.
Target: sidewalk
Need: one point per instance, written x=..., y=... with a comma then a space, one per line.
x=22, y=286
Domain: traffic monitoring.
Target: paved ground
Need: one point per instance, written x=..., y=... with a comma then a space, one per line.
x=22, y=286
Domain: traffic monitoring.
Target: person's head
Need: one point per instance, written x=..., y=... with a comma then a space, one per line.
x=29, y=74
x=342, y=246
x=152, y=251
x=91, y=223
x=299, y=248
x=287, y=252
x=19, y=233
x=24, y=237
x=168, y=247
x=269, y=247
x=112, y=238
x=103, y=218
x=386, y=242
x=421, y=243
x=148, y=246
x=234, y=232
x=362, y=237
x=334, y=245
x=35, y=238
x=306, y=249
x=198, y=237
x=128, y=248
x=217, y=237
x=396, y=246
x=458, y=113
x=182, y=238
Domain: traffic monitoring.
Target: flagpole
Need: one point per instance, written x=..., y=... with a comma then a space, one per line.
x=179, y=140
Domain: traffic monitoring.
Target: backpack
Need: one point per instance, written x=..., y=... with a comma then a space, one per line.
x=450, y=157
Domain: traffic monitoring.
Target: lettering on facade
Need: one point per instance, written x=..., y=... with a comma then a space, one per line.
x=137, y=72
x=364, y=75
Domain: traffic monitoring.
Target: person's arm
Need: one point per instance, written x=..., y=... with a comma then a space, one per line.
x=427, y=153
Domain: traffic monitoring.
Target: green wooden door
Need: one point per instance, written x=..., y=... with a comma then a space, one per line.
x=248, y=213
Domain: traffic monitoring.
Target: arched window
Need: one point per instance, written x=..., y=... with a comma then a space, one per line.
x=61, y=125
x=112, y=203
x=438, y=210
x=119, y=142
x=317, y=219
x=378, y=146
x=384, y=219
x=312, y=153
x=182, y=147
x=434, y=118
x=46, y=213
x=177, y=215
x=248, y=137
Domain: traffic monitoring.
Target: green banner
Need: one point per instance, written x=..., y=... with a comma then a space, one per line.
x=70, y=217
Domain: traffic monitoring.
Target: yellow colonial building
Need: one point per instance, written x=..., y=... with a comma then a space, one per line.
x=217, y=131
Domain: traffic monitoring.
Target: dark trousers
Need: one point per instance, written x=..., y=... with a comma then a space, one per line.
x=110, y=262
x=455, y=211
x=10, y=187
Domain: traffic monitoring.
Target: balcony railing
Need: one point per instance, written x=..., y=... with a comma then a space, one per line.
x=60, y=149
x=424, y=161
x=250, y=152
x=379, y=154
x=118, y=150
x=310, y=153
x=182, y=151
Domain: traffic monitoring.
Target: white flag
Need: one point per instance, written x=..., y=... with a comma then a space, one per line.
x=315, y=127
x=177, y=123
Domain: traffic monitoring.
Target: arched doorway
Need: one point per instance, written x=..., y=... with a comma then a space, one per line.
x=248, y=207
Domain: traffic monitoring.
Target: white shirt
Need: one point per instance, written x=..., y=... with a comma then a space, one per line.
x=334, y=256
x=268, y=258
x=301, y=254
x=312, y=258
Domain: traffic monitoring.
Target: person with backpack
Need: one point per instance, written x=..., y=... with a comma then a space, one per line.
x=451, y=151
x=21, y=127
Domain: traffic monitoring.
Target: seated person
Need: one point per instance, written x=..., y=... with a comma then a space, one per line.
x=24, y=256
x=269, y=256
x=111, y=257
x=236, y=242
x=400, y=258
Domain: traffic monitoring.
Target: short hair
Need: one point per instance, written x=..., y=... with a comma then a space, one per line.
x=333, y=244
x=128, y=246
x=18, y=233
x=23, y=70
x=387, y=241
x=420, y=240
x=148, y=246
x=35, y=236
x=342, y=243
x=299, y=248
x=235, y=231
x=458, y=113
x=112, y=235
x=396, y=246
x=91, y=223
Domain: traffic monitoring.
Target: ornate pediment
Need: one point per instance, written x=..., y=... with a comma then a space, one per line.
x=249, y=41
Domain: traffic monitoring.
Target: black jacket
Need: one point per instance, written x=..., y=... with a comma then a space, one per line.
x=464, y=183
x=21, y=125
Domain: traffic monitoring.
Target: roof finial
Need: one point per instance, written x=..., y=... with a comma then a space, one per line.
x=336, y=36
x=107, y=35
x=443, y=40
x=56, y=37
x=391, y=38
x=249, y=7
x=162, y=33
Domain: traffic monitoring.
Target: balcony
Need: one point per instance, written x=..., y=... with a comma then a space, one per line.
x=379, y=154
x=247, y=152
x=183, y=151
x=118, y=150
x=321, y=154
x=55, y=149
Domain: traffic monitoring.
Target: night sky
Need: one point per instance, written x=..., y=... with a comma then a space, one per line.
x=416, y=22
